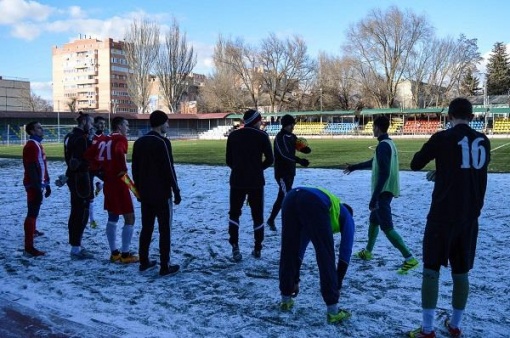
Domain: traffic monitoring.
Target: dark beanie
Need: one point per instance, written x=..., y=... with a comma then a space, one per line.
x=251, y=117
x=158, y=118
x=287, y=120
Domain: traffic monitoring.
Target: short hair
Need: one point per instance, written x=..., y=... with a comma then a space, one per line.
x=117, y=121
x=82, y=117
x=460, y=108
x=383, y=123
x=99, y=118
x=30, y=126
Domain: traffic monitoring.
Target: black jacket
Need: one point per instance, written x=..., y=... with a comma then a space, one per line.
x=462, y=156
x=153, y=168
x=248, y=154
x=75, y=144
x=285, y=154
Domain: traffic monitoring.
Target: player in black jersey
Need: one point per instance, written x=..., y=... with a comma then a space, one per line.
x=461, y=155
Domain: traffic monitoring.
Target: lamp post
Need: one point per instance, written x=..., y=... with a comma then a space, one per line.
x=320, y=98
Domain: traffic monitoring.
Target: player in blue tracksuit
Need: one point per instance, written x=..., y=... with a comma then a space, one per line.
x=315, y=214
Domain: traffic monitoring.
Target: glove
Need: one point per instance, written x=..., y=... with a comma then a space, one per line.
x=48, y=191
x=177, y=197
x=99, y=187
x=306, y=150
x=304, y=162
x=431, y=176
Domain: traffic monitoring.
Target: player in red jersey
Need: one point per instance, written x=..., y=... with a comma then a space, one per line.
x=95, y=165
x=117, y=198
x=35, y=180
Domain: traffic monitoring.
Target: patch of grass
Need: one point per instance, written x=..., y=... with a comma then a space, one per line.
x=326, y=153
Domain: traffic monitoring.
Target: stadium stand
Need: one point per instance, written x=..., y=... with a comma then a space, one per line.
x=421, y=127
x=501, y=126
x=340, y=128
x=216, y=133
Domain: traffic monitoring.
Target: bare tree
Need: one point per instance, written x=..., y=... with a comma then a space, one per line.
x=72, y=104
x=337, y=83
x=242, y=60
x=449, y=62
x=141, y=48
x=174, y=66
x=383, y=43
x=34, y=102
x=285, y=64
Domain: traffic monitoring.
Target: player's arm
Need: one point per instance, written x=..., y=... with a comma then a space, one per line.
x=346, y=243
x=268, y=153
x=425, y=154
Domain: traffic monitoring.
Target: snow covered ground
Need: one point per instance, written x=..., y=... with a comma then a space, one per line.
x=216, y=297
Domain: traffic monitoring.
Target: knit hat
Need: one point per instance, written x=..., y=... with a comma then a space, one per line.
x=251, y=117
x=158, y=118
x=287, y=120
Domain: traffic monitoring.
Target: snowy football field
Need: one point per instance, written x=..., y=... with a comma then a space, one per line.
x=215, y=297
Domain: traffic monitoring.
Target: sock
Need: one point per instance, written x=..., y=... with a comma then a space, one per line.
x=373, y=232
x=429, y=289
x=398, y=243
x=29, y=228
x=111, y=234
x=91, y=211
x=75, y=249
x=456, y=318
x=127, y=234
x=333, y=309
x=428, y=320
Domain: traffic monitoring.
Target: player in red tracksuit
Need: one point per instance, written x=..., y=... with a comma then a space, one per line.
x=36, y=180
x=117, y=197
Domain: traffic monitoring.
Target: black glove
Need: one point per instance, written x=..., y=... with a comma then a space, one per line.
x=306, y=150
x=303, y=161
x=48, y=191
x=177, y=197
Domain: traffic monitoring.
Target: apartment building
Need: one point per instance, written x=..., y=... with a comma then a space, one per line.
x=91, y=75
x=14, y=94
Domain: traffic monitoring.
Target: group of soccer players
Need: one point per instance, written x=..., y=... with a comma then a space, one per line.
x=461, y=156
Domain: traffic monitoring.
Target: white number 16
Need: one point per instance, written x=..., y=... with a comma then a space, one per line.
x=476, y=157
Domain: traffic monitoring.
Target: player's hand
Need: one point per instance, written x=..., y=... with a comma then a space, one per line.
x=48, y=191
x=306, y=150
x=431, y=176
x=304, y=162
x=177, y=197
x=348, y=169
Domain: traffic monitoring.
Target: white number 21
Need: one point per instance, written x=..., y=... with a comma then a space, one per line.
x=476, y=156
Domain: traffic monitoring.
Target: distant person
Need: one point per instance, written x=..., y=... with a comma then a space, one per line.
x=95, y=168
x=155, y=179
x=385, y=186
x=285, y=160
x=315, y=214
x=117, y=196
x=36, y=181
x=248, y=154
x=461, y=156
x=76, y=144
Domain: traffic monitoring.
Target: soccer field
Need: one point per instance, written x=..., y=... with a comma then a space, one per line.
x=326, y=153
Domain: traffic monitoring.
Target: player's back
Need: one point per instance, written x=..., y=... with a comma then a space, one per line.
x=462, y=158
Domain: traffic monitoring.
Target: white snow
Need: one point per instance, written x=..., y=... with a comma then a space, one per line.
x=215, y=297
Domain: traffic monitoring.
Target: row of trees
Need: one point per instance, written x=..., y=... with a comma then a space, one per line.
x=170, y=61
x=382, y=50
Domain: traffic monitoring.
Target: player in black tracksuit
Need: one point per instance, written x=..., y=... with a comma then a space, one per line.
x=80, y=186
x=248, y=154
x=461, y=155
x=285, y=160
